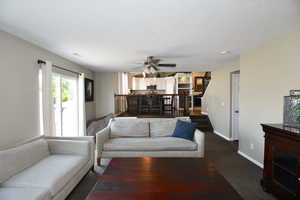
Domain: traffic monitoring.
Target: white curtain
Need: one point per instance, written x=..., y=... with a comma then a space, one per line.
x=47, y=103
x=120, y=86
x=120, y=83
x=81, y=101
x=124, y=83
x=116, y=88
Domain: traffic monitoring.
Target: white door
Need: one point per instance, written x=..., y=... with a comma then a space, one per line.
x=65, y=102
x=235, y=105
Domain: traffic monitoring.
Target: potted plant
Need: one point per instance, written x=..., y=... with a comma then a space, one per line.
x=291, y=115
x=297, y=110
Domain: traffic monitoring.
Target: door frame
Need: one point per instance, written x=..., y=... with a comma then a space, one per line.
x=231, y=104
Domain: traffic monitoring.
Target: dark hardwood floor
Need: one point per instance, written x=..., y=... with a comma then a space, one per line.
x=162, y=178
x=243, y=175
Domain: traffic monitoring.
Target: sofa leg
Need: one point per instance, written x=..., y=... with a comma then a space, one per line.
x=93, y=170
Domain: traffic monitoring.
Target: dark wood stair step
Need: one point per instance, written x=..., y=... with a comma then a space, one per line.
x=203, y=122
x=199, y=117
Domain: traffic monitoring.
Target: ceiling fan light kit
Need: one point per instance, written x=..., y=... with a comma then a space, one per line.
x=152, y=65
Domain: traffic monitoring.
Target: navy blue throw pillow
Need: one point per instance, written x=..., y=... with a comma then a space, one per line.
x=184, y=130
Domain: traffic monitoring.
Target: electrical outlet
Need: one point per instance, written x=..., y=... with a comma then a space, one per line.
x=251, y=146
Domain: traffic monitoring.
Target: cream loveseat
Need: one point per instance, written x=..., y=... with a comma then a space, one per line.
x=146, y=138
x=46, y=168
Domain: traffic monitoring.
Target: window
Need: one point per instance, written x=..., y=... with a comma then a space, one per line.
x=65, y=104
x=66, y=99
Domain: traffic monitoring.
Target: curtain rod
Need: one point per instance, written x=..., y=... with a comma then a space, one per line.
x=43, y=62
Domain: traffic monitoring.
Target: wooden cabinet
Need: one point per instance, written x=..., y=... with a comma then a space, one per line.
x=281, y=175
x=184, y=88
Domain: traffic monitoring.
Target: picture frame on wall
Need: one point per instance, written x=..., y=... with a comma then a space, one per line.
x=89, y=89
x=198, y=85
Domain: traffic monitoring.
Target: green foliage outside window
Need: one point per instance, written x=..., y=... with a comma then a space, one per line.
x=53, y=88
x=297, y=109
x=66, y=95
x=65, y=91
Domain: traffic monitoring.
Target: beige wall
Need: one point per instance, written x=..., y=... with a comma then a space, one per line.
x=216, y=100
x=19, y=118
x=90, y=109
x=267, y=74
x=104, y=89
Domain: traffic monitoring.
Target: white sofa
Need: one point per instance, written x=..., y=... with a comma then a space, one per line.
x=146, y=138
x=45, y=168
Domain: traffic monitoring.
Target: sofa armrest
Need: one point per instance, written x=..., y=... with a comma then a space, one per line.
x=101, y=137
x=199, y=138
x=83, y=146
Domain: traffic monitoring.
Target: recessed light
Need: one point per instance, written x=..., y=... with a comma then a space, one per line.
x=76, y=54
x=224, y=52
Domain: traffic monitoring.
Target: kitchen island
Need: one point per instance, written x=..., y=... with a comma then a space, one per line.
x=152, y=103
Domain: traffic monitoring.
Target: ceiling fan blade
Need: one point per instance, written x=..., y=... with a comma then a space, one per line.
x=155, y=67
x=167, y=65
x=156, y=61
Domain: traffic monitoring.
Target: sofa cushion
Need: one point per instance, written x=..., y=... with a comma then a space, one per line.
x=149, y=144
x=185, y=130
x=17, y=159
x=129, y=128
x=162, y=127
x=24, y=193
x=51, y=173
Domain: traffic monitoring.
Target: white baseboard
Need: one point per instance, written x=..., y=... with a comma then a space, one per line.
x=221, y=135
x=251, y=159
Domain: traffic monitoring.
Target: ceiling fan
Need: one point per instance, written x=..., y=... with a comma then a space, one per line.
x=152, y=65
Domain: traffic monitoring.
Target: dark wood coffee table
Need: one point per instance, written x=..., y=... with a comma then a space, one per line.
x=162, y=178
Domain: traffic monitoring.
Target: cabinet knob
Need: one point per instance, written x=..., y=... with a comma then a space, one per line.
x=298, y=179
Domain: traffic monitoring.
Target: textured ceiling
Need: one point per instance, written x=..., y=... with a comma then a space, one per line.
x=114, y=35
